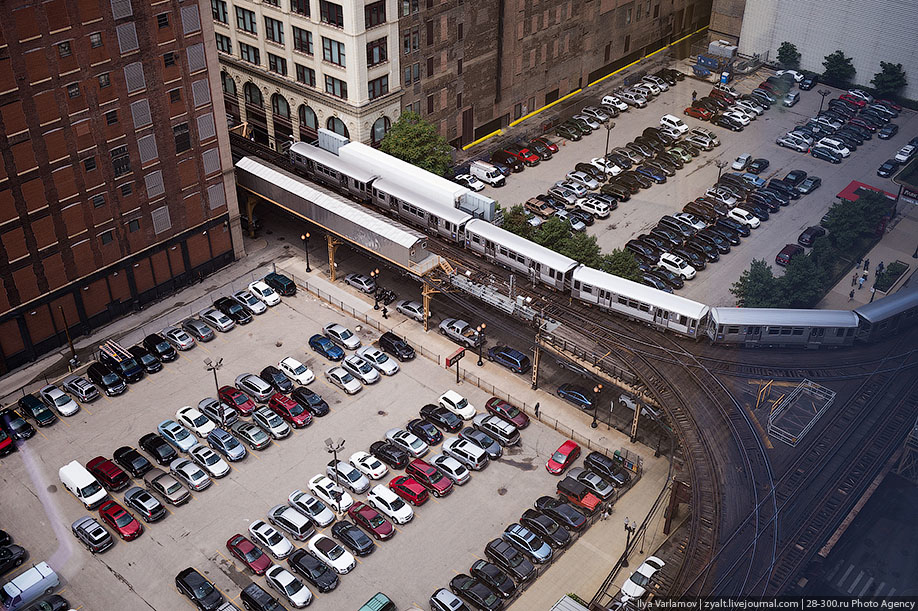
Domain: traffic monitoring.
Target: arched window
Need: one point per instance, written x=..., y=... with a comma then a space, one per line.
x=229, y=85
x=280, y=106
x=380, y=129
x=337, y=125
x=308, y=119
x=253, y=95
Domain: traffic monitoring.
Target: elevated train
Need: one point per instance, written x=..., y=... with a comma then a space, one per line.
x=667, y=312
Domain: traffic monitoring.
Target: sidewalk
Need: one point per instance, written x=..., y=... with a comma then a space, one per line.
x=899, y=242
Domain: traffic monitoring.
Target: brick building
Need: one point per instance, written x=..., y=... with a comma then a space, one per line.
x=115, y=175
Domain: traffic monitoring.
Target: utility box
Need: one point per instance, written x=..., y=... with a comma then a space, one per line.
x=722, y=48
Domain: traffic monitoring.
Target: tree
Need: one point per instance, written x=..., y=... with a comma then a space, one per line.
x=515, y=221
x=621, y=263
x=839, y=68
x=788, y=55
x=889, y=80
x=583, y=248
x=801, y=285
x=847, y=220
x=757, y=287
x=416, y=141
x=553, y=234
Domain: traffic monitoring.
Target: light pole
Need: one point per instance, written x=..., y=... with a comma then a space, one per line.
x=305, y=238
x=375, y=276
x=596, y=390
x=823, y=93
x=609, y=123
x=333, y=447
x=721, y=164
x=630, y=527
x=74, y=361
x=481, y=340
x=214, y=366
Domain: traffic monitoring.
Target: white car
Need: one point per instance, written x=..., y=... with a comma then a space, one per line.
x=386, y=502
x=217, y=319
x=191, y=474
x=314, y=509
x=739, y=117
x=408, y=441
x=249, y=301
x=269, y=538
x=745, y=217
x=209, y=460
x=736, y=108
x=691, y=219
x=798, y=76
x=342, y=336
x=451, y=468
x=360, y=369
x=457, y=404
x=270, y=423
x=411, y=309
x=677, y=265
x=467, y=180
x=655, y=80
x=296, y=371
x=343, y=380
x=378, y=359
x=722, y=196
x=332, y=554
x=348, y=475
x=264, y=293
x=605, y=166
x=611, y=100
x=674, y=122
x=581, y=178
x=330, y=493
x=647, y=85
x=59, y=400
x=635, y=587
x=369, y=465
x=905, y=153
x=861, y=94
x=292, y=588
x=195, y=421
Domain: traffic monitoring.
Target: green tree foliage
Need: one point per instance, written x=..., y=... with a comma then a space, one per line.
x=889, y=80
x=802, y=284
x=515, y=221
x=621, y=263
x=788, y=55
x=416, y=141
x=553, y=234
x=849, y=220
x=583, y=248
x=839, y=68
x=757, y=287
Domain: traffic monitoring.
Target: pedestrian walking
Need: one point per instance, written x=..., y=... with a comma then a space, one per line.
x=537, y=410
x=851, y=295
x=385, y=312
x=854, y=279
x=606, y=512
x=694, y=95
x=880, y=268
x=860, y=282
x=858, y=266
x=866, y=265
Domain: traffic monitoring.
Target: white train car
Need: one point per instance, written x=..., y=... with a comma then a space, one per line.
x=399, y=199
x=774, y=327
x=639, y=302
x=509, y=250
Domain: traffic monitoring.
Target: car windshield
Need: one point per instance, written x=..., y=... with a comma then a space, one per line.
x=200, y=420
x=417, y=444
x=230, y=443
x=203, y=589
x=273, y=420
x=266, y=290
x=147, y=359
x=180, y=434
x=462, y=403
x=345, y=334
x=353, y=475
x=312, y=506
x=292, y=587
x=211, y=459
x=335, y=552
x=91, y=489
x=396, y=504
x=346, y=377
x=273, y=537
x=296, y=409
x=253, y=554
x=640, y=579
x=511, y=411
x=174, y=488
x=299, y=370
x=240, y=399
x=377, y=521
x=123, y=519
x=559, y=457
x=365, y=367
x=62, y=400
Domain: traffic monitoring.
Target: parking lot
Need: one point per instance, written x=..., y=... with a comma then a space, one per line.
x=643, y=210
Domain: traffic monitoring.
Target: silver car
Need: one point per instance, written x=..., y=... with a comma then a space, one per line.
x=378, y=359
x=348, y=475
x=144, y=503
x=166, y=486
x=84, y=390
x=210, y=461
x=596, y=484
x=191, y=474
x=342, y=336
x=250, y=383
x=178, y=338
x=360, y=369
x=59, y=400
x=408, y=442
x=272, y=424
x=250, y=302
x=292, y=521
x=527, y=542
x=460, y=332
x=252, y=434
x=451, y=468
x=343, y=380
x=312, y=507
x=361, y=282
x=581, y=178
x=411, y=309
x=217, y=319
x=199, y=329
x=218, y=411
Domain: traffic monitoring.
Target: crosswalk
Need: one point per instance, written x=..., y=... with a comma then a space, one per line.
x=850, y=580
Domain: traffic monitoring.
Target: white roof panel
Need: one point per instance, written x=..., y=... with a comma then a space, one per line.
x=520, y=245
x=783, y=318
x=356, y=171
x=641, y=292
x=400, y=190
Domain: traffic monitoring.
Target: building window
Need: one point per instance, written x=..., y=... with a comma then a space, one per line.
x=218, y=8
x=628, y=15
x=111, y=117
x=627, y=42
x=460, y=31
x=430, y=66
x=73, y=90
x=249, y=53
x=337, y=125
x=459, y=100
x=377, y=51
x=336, y=87
x=98, y=200
x=407, y=75
x=333, y=51
x=459, y=67
x=430, y=32
x=308, y=119
x=430, y=104
x=253, y=95
x=331, y=13
x=169, y=59
x=416, y=71
x=277, y=64
x=182, y=137
x=121, y=161
x=107, y=236
x=280, y=107
x=64, y=49
x=246, y=21
x=300, y=7
x=380, y=129
x=89, y=164
x=104, y=80
x=274, y=30
x=95, y=40
x=162, y=20
x=415, y=39
x=133, y=225
x=375, y=14
x=410, y=6
x=378, y=87
x=272, y=2
x=656, y=10
x=175, y=95
x=225, y=44
x=305, y=75
x=302, y=40
x=517, y=111
x=126, y=189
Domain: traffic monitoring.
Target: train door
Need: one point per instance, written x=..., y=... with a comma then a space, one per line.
x=661, y=318
x=489, y=249
x=432, y=223
x=535, y=271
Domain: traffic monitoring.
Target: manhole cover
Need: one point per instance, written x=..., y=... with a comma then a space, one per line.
x=278, y=343
x=52, y=488
x=501, y=491
x=382, y=413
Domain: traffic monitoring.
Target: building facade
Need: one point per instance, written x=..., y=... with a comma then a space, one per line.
x=115, y=173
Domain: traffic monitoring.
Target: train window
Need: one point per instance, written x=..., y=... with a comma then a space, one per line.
x=851, y=331
x=536, y=266
x=797, y=332
x=818, y=332
x=476, y=239
x=587, y=289
x=664, y=315
x=773, y=330
x=682, y=319
x=785, y=331
x=551, y=273
x=644, y=307
x=623, y=300
x=733, y=330
x=576, y=282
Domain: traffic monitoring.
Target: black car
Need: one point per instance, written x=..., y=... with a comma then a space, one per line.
x=757, y=210
x=158, y=448
x=669, y=279
x=55, y=602
x=508, y=160
x=564, y=513
x=722, y=121
x=627, y=181
x=11, y=556
x=198, y=590
x=714, y=239
x=15, y=425
x=110, y=382
x=510, y=560
x=312, y=401
x=607, y=468
x=889, y=167
x=546, y=528
x=695, y=259
x=235, y=310
x=475, y=593
x=539, y=149
x=276, y=378
x=620, y=160
x=147, y=360
x=442, y=417
x=850, y=134
x=810, y=234
x=313, y=570
x=566, y=131
x=761, y=200
x=591, y=170
x=651, y=280
x=809, y=81
x=391, y=343
x=657, y=245
x=32, y=407
x=848, y=140
x=668, y=236
x=495, y=579
x=353, y=538
x=820, y=152
x=425, y=431
x=640, y=179
x=132, y=461
x=636, y=247
x=159, y=347
x=782, y=198
x=740, y=228
x=281, y=283
x=703, y=249
x=794, y=177
x=255, y=598
x=391, y=454
x=788, y=189
x=619, y=192
x=888, y=131
x=587, y=218
x=757, y=166
x=668, y=157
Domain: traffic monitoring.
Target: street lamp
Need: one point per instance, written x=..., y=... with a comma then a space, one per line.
x=210, y=365
x=630, y=527
x=375, y=276
x=74, y=360
x=596, y=390
x=305, y=238
x=823, y=93
x=609, y=123
x=481, y=340
x=721, y=164
x=333, y=447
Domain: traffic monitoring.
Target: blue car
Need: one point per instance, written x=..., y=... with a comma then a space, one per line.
x=580, y=397
x=326, y=348
x=514, y=360
x=652, y=173
x=226, y=444
x=753, y=180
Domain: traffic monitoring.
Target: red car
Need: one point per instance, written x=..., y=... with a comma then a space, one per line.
x=853, y=99
x=723, y=95
x=429, y=477
x=291, y=411
x=6, y=444
x=563, y=457
x=246, y=552
x=524, y=155
x=108, y=473
x=551, y=146
x=510, y=413
x=409, y=489
x=116, y=516
x=237, y=399
x=887, y=103
x=371, y=520
x=861, y=123
x=699, y=113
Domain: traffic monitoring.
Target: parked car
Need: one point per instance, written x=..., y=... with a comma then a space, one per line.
x=888, y=168
x=787, y=253
x=57, y=399
x=810, y=234
x=280, y=283
x=442, y=417
x=809, y=184
x=120, y=520
x=198, y=590
x=324, y=346
x=264, y=293
x=91, y=534
x=250, y=302
x=313, y=570
x=396, y=346
x=563, y=457
x=132, y=461
x=79, y=387
x=635, y=587
x=166, y=486
x=342, y=336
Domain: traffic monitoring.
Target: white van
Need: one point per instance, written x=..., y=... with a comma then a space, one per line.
x=745, y=217
x=836, y=146
x=674, y=122
x=82, y=485
x=485, y=172
x=26, y=587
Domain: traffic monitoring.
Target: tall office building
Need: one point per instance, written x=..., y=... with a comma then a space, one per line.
x=116, y=179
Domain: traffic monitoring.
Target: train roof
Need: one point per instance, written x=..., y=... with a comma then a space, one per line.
x=520, y=245
x=904, y=299
x=640, y=292
x=398, y=189
x=776, y=317
x=328, y=159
